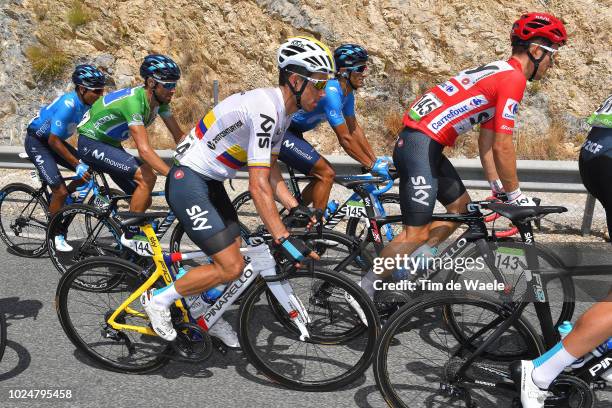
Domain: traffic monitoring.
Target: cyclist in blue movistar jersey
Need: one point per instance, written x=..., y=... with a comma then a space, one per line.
x=45, y=142
x=338, y=108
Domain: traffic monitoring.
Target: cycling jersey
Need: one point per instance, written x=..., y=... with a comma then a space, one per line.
x=243, y=129
x=334, y=107
x=489, y=95
x=60, y=117
x=109, y=118
x=602, y=117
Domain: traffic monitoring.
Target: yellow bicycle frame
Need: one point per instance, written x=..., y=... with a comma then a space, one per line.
x=161, y=270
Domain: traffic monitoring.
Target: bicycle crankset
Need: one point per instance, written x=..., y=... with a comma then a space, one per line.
x=192, y=343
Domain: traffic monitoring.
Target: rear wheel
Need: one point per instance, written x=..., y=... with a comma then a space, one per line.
x=23, y=219
x=84, y=303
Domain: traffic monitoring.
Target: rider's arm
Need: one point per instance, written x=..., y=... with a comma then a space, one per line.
x=146, y=152
x=504, y=156
x=358, y=135
x=58, y=147
x=485, y=149
x=173, y=127
x=262, y=193
x=279, y=187
x=350, y=142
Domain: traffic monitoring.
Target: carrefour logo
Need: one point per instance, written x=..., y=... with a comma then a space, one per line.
x=510, y=109
x=448, y=88
x=455, y=112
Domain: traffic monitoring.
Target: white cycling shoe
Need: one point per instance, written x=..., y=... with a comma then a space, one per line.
x=532, y=396
x=224, y=332
x=159, y=317
x=61, y=245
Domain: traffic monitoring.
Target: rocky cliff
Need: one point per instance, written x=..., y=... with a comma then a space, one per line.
x=414, y=44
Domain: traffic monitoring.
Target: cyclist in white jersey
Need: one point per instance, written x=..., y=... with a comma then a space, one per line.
x=243, y=130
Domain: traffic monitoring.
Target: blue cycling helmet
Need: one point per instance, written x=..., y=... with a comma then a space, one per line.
x=350, y=55
x=88, y=76
x=160, y=67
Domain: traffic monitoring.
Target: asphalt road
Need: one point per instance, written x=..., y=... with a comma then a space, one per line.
x=39, y=356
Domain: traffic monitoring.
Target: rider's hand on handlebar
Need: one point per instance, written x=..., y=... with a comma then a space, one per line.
x=295, y=250
x=301, y=212
x=82, y=171
x=381, y=167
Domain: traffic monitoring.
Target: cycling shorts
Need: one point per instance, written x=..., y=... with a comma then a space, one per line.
x=425, y=175
x=595, y=164
x=203, y=208
x=114, y=161
x=45, y=159
x=298, y=153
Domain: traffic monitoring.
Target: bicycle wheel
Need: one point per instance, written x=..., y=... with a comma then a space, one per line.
x=314, y=364
x=511, y=266
x=23, y=219
x=358, y=227
x=84, y=308
x=90, y=232
x=2, y=334
x=418, y=357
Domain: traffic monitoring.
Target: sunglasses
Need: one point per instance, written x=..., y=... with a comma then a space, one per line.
x=167, y=85
x=318, y=84
x=358, y=68
x=552, y=51
x=97, y=91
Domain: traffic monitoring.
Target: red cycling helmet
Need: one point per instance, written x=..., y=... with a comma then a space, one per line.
x=532, y=25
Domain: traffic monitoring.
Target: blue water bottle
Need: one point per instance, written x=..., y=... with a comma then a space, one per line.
x=212, y=294
x=332, y=206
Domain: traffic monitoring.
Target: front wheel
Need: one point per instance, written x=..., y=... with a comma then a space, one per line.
x=89, y=231
x=23, y=219
x=323, y=362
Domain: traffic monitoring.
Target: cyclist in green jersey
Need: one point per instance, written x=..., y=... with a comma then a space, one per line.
x=124, y=113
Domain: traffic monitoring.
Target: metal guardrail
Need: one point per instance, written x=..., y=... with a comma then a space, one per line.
x=535, y=175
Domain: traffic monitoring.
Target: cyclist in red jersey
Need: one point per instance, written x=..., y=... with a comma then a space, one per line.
x=488, y=95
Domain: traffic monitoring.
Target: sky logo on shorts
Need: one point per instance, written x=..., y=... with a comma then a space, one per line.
x=510, y=109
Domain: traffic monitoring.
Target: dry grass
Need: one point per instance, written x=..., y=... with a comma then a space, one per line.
x=40, y=11
x=48, y=59
x=78, y=15
x=393, y=124
x=548, y=147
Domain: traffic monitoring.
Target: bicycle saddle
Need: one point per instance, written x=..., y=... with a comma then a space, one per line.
x=135, y=218
x=351, y=182
x=518, y=214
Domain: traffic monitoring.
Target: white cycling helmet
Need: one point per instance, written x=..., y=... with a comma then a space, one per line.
x=306, y=52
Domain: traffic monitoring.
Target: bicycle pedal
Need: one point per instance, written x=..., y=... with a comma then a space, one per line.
x=219, y=345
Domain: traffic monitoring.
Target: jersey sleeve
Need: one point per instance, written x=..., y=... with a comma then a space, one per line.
x=333, y=105
x=164, y=110
x=263, y=126
x=509, y=96
x=132, y=110
x=60, y=121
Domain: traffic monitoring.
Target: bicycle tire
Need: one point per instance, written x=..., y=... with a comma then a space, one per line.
x=413, y=318
x=131, y=276
x=353, y=223
x=249, y=310
x=2, y=334
x=38, y=206
x=106, y=242
x=553, y=261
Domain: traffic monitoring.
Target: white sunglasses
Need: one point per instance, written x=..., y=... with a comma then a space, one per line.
x=552, y=51
x=317, y=83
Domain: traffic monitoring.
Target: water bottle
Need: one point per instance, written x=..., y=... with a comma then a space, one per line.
x=212, y=294
x=332, y=206
x=565, y=328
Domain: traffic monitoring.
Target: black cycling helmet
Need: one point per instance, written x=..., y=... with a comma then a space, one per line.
x=88, y=76
x=160, y=67
x=350, y=55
